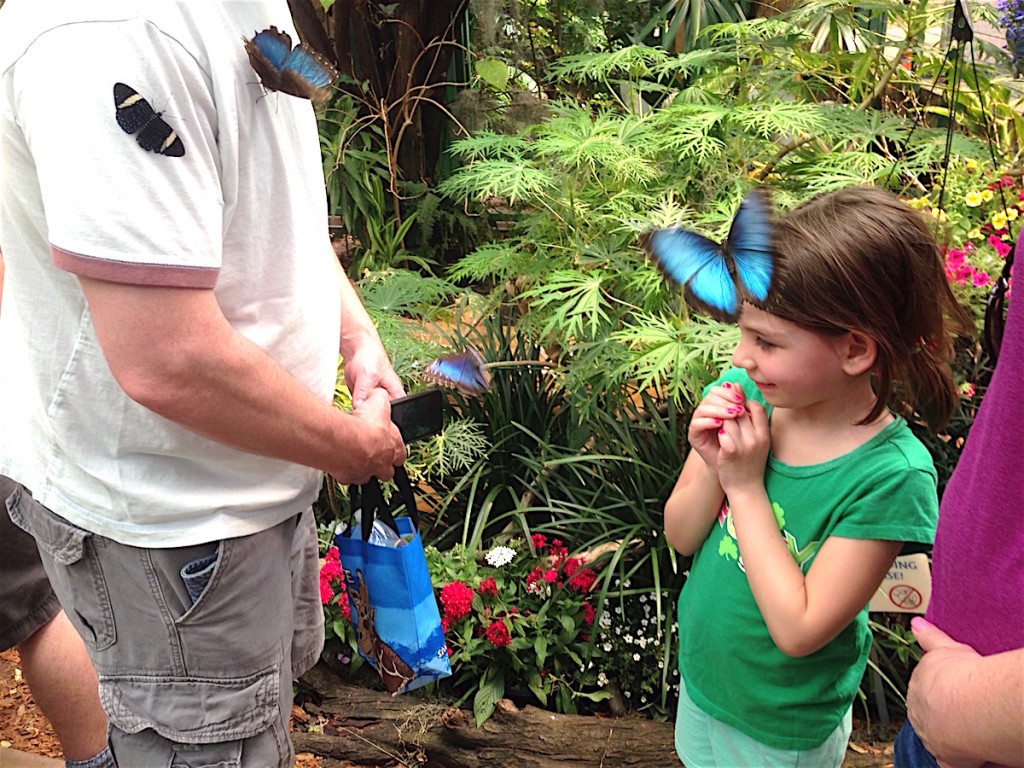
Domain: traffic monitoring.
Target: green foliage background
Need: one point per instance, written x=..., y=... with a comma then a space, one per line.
x=564, y=152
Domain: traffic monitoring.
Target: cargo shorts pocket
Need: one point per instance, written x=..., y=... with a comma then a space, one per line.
x=193, y=710
x=74, y=570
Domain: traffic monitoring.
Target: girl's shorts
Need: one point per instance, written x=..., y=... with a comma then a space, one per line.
x=704, y=742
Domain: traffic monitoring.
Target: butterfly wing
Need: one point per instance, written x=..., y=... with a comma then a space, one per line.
x=267, y=51
x=134, y=114
x=465, y=372
x=749, y=245
x=307, y=74
x=697, y=262
x=274, y=45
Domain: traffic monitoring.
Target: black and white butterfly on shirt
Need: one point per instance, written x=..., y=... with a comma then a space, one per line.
x=135, y=116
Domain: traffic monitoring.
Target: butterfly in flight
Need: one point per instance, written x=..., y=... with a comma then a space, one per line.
x=298, y=71
x=465, y=371
x=718, y=276
x=135, y=115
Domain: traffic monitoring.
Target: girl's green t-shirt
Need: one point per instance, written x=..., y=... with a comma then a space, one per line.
x=884, y=489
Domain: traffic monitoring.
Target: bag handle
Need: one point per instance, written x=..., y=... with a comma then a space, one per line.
x=375, y=506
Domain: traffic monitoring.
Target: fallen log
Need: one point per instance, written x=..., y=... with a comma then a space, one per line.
x=371, y=728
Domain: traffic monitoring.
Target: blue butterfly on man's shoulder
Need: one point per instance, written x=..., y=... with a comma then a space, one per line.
x=298, y=71
x=718, y=276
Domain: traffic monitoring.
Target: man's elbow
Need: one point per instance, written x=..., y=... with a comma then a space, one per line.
x=159, y=386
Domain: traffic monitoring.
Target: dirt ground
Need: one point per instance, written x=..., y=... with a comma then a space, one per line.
x=25, y=728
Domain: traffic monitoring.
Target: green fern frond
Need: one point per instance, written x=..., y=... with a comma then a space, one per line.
x=681, y=356
x=513, y=180
x=686, y=130
x=632, y=62
x=488, y=144
x=579, y=302
x=461, y=444
x=779, y=119
x=401, y=292
x=498, y=260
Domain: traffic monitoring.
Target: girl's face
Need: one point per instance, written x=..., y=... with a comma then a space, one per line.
x=791, y=366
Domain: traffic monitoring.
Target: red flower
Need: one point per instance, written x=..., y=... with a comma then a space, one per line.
x=457, y=599
x=550, y=575
x=488, y=586
x=558, y=552
x=588, y=614
x=583, y=581
x=539, y=541
x=445, y=623
x=498, y=634
x=572, y=565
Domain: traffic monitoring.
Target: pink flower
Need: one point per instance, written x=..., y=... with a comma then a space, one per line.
x=997, y=242
x=967, y=390
x=488, y=586
x=457, y=599
x=498, y=634
x=326, y=592
x=981, y=278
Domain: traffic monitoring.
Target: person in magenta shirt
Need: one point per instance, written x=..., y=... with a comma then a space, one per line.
x=965, y=701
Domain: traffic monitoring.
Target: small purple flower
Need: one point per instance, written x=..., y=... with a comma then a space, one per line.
x=1012, y=21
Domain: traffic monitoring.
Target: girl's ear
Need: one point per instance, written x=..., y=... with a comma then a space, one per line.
x=859, y=353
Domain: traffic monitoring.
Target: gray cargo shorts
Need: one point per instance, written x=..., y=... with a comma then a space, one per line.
x=189, y=680
x=26, y=600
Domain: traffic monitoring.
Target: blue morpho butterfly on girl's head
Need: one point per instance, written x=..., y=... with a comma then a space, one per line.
x=718, y=276
x=466, y=372
x=298, y=71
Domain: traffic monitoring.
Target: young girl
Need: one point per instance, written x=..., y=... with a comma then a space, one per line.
x=802, y=486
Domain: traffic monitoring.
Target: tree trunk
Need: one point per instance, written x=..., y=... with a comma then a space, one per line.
x=371, y=728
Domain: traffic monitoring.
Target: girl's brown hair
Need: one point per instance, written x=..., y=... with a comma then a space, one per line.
x=860, y=259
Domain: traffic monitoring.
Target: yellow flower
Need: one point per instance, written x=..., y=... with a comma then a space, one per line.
x=999, y=219
x=972, y=164
x=986, y=195
x=1012, y=213
x=973, y=199
x=974, y=234
x=919, y=203
x=938, y=213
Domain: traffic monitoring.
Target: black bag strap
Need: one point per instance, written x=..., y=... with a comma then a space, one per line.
x=370, y=498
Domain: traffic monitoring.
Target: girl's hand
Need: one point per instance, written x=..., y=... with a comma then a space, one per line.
x=743, y=443
x=721, y=404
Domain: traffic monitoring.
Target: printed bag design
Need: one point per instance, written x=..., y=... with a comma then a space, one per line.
x=394, y=611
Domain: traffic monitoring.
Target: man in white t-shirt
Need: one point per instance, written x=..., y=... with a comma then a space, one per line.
x=173, y=315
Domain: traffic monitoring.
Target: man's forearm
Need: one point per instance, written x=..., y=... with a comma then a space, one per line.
x=194, y=369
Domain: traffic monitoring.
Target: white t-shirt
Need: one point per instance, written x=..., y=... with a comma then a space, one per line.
x=242, y=211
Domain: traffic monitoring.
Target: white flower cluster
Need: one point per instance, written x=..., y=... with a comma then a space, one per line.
x=500, y=556
x=633, y=639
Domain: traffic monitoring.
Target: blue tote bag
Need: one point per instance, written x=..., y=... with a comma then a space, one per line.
x=394, y=612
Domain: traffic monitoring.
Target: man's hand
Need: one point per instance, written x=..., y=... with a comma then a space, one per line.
x=368, y=369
